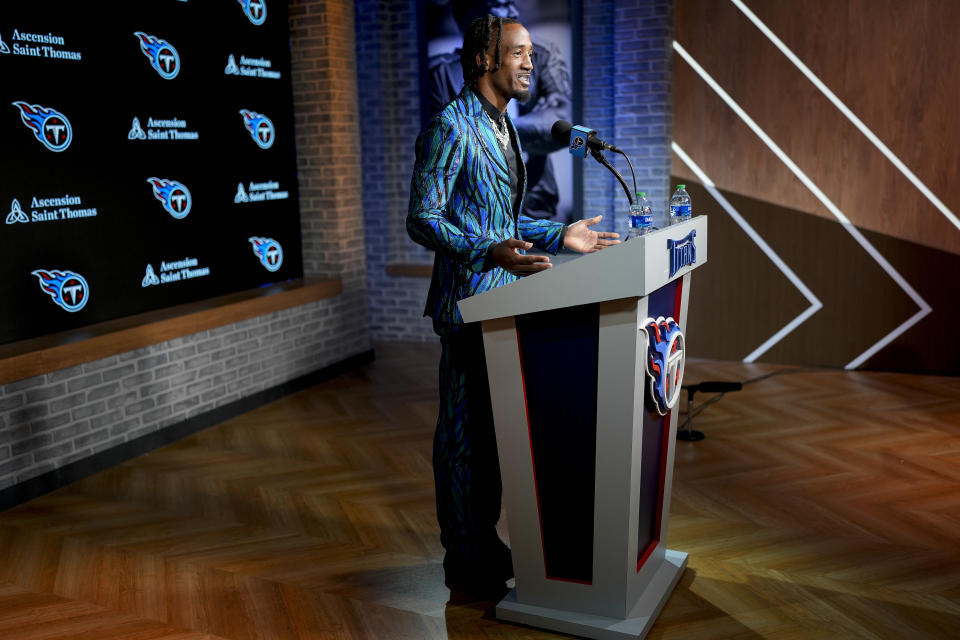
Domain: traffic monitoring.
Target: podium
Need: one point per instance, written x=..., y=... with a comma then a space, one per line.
x=584, y=365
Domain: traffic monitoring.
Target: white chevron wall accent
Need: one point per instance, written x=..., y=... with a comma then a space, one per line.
x=848, y=113
x=815, y=304
x=924, y=307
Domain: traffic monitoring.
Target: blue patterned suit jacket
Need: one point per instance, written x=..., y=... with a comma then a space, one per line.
x=460, y=205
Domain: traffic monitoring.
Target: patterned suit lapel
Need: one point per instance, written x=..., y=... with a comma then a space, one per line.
x=488, y=140
x=483, y=129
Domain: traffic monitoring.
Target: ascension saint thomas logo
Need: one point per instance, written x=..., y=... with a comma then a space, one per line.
x=16, y=213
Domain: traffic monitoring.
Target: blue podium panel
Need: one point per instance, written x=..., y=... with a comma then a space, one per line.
x=558, y=359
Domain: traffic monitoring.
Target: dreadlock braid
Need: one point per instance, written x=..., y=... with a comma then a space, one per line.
x=476, y=41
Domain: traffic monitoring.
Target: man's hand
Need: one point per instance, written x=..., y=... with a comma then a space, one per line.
x=581, y=238
x=507, y=255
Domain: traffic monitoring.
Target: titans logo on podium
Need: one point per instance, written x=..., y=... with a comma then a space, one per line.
x=255, y=10
x=48, y=125
x=174, y=196
x=683, y=252
x=259, y=126
x=268, y=251
x=665, y=358
x=68, y=289
x=162, y=55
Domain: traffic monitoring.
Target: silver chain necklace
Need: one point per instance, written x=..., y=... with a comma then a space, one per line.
x=503, y=136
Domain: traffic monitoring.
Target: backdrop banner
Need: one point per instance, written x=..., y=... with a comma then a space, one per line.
x=148, y=159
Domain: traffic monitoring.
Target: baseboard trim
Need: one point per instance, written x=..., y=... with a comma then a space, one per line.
x=75, y=471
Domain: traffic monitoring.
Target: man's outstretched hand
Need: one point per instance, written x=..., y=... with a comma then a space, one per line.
x=507, y=255
x=581, y=238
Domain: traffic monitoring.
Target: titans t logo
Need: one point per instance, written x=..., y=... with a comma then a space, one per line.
x=255, y=10
x=163, y=57
x=269, y=252
x=68, y=289
x=49, y=126
x=259, y=126
x=174, y=196
x=665, y=360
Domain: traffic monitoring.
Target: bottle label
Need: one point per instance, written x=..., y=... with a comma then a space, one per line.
x=636, y=222
x=684, y=210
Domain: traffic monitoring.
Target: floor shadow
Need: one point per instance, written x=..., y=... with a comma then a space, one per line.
x=685, y=612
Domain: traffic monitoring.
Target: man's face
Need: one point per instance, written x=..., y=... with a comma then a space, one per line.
x=512, y=79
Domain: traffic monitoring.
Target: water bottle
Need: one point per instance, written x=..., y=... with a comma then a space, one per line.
x=680, y=208
x=641, y=217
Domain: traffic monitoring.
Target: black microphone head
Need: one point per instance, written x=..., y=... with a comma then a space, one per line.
x=561, y=131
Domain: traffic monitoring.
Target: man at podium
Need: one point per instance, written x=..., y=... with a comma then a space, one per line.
x=465, y=199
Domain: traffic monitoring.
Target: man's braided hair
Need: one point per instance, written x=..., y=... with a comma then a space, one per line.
x=476, y=41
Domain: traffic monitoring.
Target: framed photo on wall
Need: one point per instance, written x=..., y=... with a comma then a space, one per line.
x=552, y=178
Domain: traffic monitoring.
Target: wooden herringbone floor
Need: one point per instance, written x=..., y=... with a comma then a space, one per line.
x=821, y=505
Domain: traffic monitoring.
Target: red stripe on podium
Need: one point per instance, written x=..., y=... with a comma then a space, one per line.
x=664, y=449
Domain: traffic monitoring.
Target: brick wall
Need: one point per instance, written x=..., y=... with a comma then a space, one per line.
x=627, y=96
x=389, y=67
x=63, y=416
x=643, y=69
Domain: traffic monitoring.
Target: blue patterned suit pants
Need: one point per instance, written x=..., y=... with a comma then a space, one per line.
x=466, y=469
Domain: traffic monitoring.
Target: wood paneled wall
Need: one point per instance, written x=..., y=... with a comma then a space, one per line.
x=892, y=62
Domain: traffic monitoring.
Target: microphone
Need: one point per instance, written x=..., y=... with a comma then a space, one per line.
x=576, y=136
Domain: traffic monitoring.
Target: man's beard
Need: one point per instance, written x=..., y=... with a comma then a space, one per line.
x=521, y=95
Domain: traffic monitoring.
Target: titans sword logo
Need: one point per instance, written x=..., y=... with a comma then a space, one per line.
x=255, y=10
x=163, y=57
x=48, y=126
x=665, y=358
x=259, y=126
x=68, y=289
x=268, y=251
x=174, y=196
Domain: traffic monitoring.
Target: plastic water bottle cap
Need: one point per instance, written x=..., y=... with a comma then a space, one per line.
x=681, y=186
